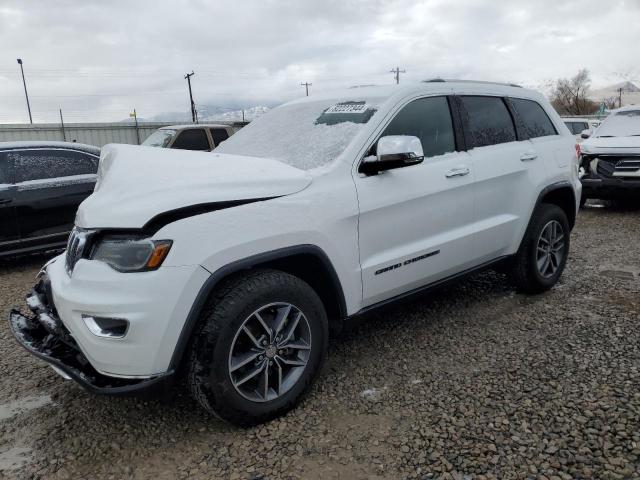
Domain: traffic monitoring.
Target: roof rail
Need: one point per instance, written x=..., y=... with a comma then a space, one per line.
x=436, y=80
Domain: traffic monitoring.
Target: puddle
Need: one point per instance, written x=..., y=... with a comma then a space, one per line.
x=22, y=405
x=14, y=458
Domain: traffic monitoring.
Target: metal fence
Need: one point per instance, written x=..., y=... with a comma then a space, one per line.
x=97, y=134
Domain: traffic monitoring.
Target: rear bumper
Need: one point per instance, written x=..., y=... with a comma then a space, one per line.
x=43, y=335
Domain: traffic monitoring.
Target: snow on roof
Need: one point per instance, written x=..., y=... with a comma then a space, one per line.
x=423, y=88
x=192, y=125
x=626, y=108
x=44, y=144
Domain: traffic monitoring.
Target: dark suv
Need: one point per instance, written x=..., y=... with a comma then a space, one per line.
x=41, y=186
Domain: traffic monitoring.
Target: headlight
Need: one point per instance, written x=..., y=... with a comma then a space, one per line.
x=131, y=255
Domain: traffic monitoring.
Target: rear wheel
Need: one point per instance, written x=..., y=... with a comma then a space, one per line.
x=543, y=253
x=260, y=345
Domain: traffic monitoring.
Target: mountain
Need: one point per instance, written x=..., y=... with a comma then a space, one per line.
x=209, y=113
x=630, y=93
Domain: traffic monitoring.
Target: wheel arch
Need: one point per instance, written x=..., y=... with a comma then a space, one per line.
x=307, y=262
x=562, y=195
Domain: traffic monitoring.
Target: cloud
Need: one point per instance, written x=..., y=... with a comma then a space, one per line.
x=98, y=60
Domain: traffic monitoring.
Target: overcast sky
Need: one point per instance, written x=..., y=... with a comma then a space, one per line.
x=97, y=60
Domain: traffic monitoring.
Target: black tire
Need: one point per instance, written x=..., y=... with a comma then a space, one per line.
x=208, y=369
x=524, y=269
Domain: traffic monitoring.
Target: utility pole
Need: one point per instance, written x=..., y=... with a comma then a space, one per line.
x=64, y=136
x=396, y=71
x=306, y=86
x=620, y=97
x=194, y=114
x=135, y=119
x=25, y=90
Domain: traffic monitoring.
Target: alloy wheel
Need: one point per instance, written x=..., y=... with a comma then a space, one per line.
x=270, y=352
x=551, y=249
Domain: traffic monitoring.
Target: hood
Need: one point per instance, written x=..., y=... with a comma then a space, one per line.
x=611, y=145
x=136, y=184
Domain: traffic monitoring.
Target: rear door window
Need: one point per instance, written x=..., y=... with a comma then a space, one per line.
x=487, y=121
x=192, y=139
x=49, y=164
x=535, y=121
x=219, y=135
x=429, y=119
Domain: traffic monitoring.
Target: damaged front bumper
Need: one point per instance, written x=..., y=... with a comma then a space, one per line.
x=596, y=184
x=610, y=176
x=43, y=335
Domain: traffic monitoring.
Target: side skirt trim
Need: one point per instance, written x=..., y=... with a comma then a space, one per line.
x=428, y=287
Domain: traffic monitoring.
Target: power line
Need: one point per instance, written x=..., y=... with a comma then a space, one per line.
x=397, y=73
x=306, y=86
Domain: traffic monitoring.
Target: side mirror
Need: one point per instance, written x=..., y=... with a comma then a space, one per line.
x=585, y=133
x=393, y=151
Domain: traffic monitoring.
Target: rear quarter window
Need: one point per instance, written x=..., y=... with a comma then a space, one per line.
x=534, y=120
x=219, y=135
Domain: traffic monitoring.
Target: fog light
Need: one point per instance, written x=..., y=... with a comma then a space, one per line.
x=106, y=327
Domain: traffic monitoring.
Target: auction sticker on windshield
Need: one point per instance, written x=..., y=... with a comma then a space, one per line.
x=353, y=111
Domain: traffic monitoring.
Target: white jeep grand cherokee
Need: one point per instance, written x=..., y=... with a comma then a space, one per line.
x=231, y=267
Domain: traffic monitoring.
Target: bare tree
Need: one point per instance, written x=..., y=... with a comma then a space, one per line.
x=610, y=103
x=570, y=95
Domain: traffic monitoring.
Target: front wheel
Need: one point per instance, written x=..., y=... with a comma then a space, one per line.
x=258, y=348
x=544, y=250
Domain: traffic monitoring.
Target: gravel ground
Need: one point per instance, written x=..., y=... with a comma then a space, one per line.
x=472, y=382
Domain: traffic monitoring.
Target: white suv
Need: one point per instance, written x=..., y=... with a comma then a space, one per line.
x=232, y=270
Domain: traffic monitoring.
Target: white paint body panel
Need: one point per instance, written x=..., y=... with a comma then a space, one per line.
x=362, y=224
x=137, y=183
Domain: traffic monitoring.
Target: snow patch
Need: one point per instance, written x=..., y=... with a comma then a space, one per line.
x=291, y=135
x=22, y=405
x=56, y=182
x=373, y=394
x=15, y=458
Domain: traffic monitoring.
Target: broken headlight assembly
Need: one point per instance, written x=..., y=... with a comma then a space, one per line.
x=130, y=254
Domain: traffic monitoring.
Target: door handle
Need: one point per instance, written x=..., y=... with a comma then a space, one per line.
x=526, y=157
x=457, y=172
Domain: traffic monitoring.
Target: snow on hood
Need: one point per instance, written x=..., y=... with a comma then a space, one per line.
x=137, y=183
x=611, y=145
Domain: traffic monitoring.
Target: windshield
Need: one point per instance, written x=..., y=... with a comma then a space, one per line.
x=160, y=138
x=304, y=135
x=620, y=124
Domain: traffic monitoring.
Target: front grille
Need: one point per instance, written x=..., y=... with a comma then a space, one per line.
x=608, y=166
x=76, y=248
x=628, y=165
